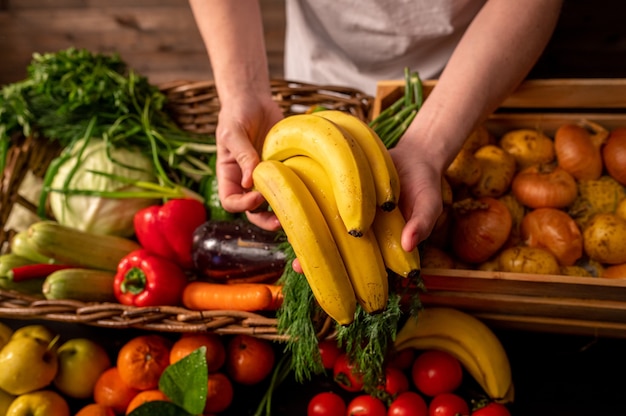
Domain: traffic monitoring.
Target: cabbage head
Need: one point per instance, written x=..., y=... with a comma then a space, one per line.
x=81, y=173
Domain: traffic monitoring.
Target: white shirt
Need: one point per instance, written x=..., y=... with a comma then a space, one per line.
x=356, y=43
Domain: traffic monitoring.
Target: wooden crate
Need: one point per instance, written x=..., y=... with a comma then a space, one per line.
x=551, y=303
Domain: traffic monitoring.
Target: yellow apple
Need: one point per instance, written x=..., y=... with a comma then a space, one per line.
x=39, y=403
x=5, y=401
x=81, y=361
x=5, y=333
x=27, y=364
x=34, y=331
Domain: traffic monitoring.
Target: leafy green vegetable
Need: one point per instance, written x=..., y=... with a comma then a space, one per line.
x=160, y=408
x=74, y=94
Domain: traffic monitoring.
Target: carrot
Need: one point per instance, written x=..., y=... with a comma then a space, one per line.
x=248, y=297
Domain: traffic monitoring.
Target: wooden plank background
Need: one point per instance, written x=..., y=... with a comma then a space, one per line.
x=159, y=38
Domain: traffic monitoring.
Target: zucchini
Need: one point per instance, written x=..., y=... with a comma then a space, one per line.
x=87, y=285
x=21, y=246
x=78, y=248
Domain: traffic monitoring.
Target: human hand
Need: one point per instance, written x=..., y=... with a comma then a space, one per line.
x=242, y=126
x=420, y=194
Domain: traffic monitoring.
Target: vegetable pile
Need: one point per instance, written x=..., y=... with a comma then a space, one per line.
x=530, y=203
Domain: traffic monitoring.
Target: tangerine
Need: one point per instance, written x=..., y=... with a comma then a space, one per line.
x=95, y=409
x=111, y=391
x=142, y=360
x=219, y=393
x=189, y=342
x=146, y=396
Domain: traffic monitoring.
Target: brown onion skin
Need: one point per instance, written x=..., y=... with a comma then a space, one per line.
x=544, y=186
x=616, y=271
x=577, y=153
x=553, y=230
x=479, y=232
x=614, y=154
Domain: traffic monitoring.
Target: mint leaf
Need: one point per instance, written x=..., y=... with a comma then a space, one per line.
x=160, y=408
x=186, y=382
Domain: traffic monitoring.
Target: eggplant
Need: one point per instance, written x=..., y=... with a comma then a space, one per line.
x=237, y=249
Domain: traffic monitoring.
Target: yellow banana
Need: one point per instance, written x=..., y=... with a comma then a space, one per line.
x=361, y=256
x=386, y=180
x=342, y=158
x=309, y=236
x=388, y=227
x=469, y=340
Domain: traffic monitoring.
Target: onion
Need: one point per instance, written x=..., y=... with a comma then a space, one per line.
x=555, y=231
x=480, y=228
x=616, y=271
x=544, y=186
x=614, y=154
x=578, y=151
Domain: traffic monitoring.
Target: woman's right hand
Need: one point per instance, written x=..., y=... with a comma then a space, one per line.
x=242, y=126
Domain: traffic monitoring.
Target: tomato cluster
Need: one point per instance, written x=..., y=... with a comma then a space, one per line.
x=417, y=383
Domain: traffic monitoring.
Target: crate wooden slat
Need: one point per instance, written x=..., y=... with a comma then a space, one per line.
x=559, y=304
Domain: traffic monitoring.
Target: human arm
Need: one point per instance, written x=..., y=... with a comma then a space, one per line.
x=494, y=55
x=232, y=32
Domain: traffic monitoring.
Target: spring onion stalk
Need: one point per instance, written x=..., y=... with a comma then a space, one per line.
x=393, y=121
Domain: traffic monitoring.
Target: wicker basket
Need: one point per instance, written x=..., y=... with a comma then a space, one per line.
x=194, y=106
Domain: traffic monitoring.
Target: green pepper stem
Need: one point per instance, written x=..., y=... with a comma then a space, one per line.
x=134, y=281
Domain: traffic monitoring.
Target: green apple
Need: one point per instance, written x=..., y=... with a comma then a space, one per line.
x=39, y=403
x=34, y=331
x=5, y=401
x=5, y=333
x=27, y=364
x=81, y=361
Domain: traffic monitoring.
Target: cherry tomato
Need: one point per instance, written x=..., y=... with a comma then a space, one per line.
x=345, y=374
x=436, y=372
x=329, y=351
x=448, y=404
x=408, y=403
x=366, y=405
x=326, y=404
x=402, y=359
x=492, y=409
x=396, y=382
x=249, y=359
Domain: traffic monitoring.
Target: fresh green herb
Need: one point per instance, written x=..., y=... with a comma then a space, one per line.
x=368, y=338
x=73, y=94
x=393, y=121
x=296, y=318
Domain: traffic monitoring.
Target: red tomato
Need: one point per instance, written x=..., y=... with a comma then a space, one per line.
x=329, y=351
x=366, y=405
x=249, y=359
x=345, y=374
x=492, y=409
x=396, y=381
x=402, y=359
x=435, y=372
x=408, y=403
x=326, y=404
x=448, y=404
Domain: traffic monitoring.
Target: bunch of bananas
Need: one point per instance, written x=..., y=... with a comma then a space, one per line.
x=469, y=340
x=334, y=188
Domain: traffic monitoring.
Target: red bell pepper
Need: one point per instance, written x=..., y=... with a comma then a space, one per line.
x=147, y=279
x=167, y=230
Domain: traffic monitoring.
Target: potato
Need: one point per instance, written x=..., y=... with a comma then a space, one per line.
x=524, y=259
x=464, y=169
x=528, y=147
x=478, y=138
x=604, y=238
x=498, y=168
x=435, y=258
x=594, y=197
